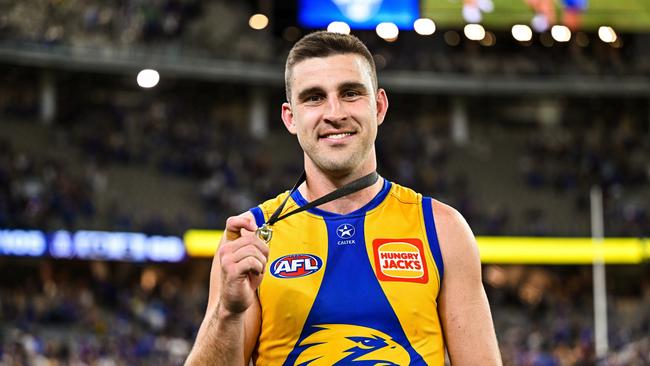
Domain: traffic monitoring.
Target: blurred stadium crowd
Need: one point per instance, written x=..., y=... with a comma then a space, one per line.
x=168, y=26
x=119, y=314
x=71, y=178
x=544, y=317
x=184, y=156
x=206, y=29
x=99, y=315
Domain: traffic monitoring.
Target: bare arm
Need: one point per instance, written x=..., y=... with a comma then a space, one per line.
x=231, y=324
x=463, y=306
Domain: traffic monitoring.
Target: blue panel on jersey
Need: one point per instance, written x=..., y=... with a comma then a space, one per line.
x=432, y=235
x=351, y=311
x=259, y=216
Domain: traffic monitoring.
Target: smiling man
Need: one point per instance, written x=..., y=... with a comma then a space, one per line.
x=375, y=275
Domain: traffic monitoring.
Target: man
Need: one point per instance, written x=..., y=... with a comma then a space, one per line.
x=368, y=278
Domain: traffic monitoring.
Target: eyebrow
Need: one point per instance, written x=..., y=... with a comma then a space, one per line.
x=309, y=91
x=353, y=85
x=347, y=85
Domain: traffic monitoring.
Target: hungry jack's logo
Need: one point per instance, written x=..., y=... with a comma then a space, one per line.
x=400, y=260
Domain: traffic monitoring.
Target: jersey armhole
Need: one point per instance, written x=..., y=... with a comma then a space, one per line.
x=259, y=215
x=432, y=235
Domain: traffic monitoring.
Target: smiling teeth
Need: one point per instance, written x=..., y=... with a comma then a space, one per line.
x=338, y=135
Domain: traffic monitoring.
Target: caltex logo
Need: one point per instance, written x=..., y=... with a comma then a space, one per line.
x=345, y=231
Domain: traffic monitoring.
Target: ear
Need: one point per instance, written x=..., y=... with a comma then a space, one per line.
x=287, y=118
x=382, y=105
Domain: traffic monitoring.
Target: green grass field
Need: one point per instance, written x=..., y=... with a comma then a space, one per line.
x=623, y=15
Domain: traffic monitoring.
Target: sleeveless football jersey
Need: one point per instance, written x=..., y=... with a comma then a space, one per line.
x=359, y=288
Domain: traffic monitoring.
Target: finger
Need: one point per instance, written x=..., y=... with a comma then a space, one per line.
x=249, y=265
x=235, y=224
x=241, y=265
x=246, y=232
x=261, y=246
x=233, y=246
x=249, y=251
x=259, y=251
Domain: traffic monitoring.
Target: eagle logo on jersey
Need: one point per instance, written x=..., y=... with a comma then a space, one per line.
x=346, y=344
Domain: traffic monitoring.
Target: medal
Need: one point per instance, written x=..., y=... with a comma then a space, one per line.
x=265, y=233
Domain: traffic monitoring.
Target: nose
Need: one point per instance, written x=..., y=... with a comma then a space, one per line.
x=335, y=110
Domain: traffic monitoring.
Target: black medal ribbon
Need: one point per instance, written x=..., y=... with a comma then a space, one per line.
x=265, y=233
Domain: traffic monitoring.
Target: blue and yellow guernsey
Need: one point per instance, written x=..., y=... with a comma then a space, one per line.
x=352, y=289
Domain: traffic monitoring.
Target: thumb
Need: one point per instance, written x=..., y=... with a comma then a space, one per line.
x=235, y=224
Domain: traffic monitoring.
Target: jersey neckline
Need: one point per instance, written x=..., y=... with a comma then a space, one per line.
x=301, y=201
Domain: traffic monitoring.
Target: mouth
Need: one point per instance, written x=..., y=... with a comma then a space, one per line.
x=336, y=135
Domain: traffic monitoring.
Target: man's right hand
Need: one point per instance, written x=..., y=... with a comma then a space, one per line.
x=243, y=257
x=232, y=321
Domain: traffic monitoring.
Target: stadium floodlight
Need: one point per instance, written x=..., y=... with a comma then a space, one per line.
x=258, y=21
x=387, y=31
x=522, y=33
x=474, y=32
x=561, y=33
x=338, y=27
x=148, y=78
x=424, y=26
x=607, y=34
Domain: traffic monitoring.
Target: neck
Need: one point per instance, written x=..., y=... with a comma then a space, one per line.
x=320, y=183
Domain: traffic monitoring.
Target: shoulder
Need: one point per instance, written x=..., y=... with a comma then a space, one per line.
x=455, y=237
x=404, y=194
x=447, y=215
x=451, y=227
x=444, y=214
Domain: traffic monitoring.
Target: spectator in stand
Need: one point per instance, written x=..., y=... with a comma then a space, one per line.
x=102, y=313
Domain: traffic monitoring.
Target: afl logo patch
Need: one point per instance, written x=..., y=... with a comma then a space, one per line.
x=296, y=265
x=400, y=260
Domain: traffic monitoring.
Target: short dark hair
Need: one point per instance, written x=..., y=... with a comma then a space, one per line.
x=324, y=44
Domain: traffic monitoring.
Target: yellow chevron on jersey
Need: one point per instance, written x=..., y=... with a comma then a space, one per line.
x=355, y=288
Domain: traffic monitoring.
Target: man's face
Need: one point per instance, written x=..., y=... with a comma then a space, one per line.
x=335, y=112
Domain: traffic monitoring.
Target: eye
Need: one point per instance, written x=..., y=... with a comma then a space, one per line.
x=365, y=344
x=315, y=98
x=350, y=94
x=368, y=343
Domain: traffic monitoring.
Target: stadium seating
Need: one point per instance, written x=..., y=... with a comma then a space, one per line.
x=183, y=155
